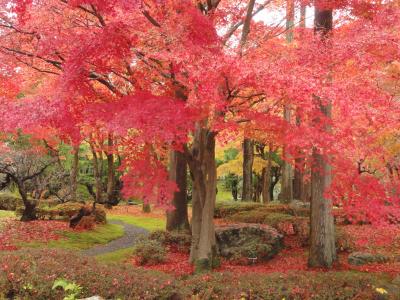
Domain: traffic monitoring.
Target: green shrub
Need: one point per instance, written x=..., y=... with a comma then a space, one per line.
x=9, y=202
x=30, y=274
x=265, y=216
x=149, y=252
x=180, y=240
x=225, y=209
x=64, y=211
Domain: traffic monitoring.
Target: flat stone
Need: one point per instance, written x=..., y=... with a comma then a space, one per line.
x=362, y=258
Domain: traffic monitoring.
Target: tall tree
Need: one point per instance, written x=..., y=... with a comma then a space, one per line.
x=248, y=144
x=286, y=194
x=322, y=231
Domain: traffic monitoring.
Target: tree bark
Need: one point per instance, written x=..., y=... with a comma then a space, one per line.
x=303, y=10
x=97, y=176
x=266, y=179
x=111, y=195
x=29, y=213
x=201, y=160
x=286, y=194
x=74, y=173
x=322, y=232
x=177, y=219
x=248, y=158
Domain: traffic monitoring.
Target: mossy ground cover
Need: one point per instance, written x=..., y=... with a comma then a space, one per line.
x=81, y=240
x=6, y=214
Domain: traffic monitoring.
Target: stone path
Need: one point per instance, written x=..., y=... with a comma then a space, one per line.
x=131, y=233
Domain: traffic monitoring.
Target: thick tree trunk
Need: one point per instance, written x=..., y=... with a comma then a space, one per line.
x=74, y=173
x=177, y=219
x=248, y=158
x=29, y=213
x=111, y=195
x=201, y=160
x=322, y=231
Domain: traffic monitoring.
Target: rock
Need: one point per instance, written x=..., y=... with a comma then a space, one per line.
x=362, y=258
x=299, y=204
x=248, y=243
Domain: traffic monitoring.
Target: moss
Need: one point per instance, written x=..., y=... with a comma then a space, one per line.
x=115, y=256
x=226, y=209
x=6, y=214
x=150, y=224
x=202, y=265
x=102, y=234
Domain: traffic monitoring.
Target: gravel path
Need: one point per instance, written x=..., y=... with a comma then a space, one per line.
x=131, y=233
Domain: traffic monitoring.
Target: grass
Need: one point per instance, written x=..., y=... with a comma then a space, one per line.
x=84, y=240
x=151, y=224
x=115, y=256
x=6, y=214
x=223, y=194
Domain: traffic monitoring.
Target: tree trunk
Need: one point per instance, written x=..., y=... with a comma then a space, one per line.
x=111, y=195
x=97, y=176
x=177, y=219
x=146, y=208
x=286, y=194
x=298, y=183
x=322, y=231
x=201, y=160
x=266, y=181
x=29, y=213
x=248, y=158
x=303, y=11
x=74, y=173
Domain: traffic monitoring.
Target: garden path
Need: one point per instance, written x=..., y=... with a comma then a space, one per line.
x=131, y=234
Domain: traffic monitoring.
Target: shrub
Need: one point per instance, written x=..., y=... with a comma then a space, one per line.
x=225, y=209
x=9, y=202
x=284, y=223
x=294, y=286
x=150, y=252
x=31, y=273
x=180, y=240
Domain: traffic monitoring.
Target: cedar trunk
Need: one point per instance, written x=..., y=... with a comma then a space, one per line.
x=97, y=176
x=74, y=173
x=322, y=231
x=266, y=179
x=177, y=219
x=111, y=195
x=201, y=161
x=248, y=158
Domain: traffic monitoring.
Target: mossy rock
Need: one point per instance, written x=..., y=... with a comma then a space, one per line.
x=363, y=258
x=248, y=243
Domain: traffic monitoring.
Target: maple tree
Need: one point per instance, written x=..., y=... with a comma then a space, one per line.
x=160, y=77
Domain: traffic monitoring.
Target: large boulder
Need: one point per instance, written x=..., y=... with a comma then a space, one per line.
x=362, y=258
x=248, y=243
